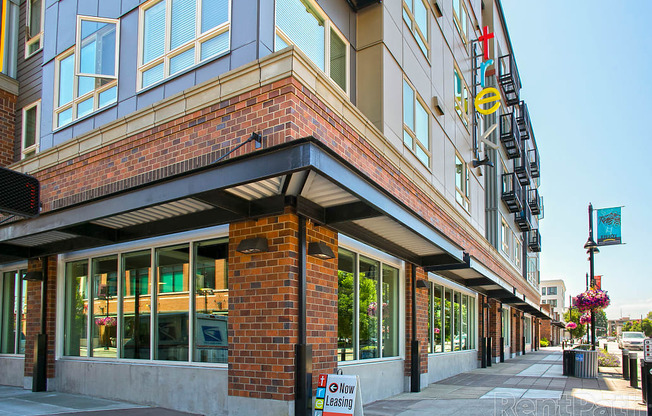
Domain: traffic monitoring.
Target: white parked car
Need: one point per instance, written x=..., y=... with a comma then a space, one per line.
x=631, y=341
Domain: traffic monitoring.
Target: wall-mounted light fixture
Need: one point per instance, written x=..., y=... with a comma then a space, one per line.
x=320, y=250
x=483, y=162
x=33, y=276
x=252, y=245
x=422, y=284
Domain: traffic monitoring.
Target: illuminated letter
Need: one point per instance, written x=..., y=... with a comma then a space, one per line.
x=483, y=68
x=480, y=100
x=485, y=41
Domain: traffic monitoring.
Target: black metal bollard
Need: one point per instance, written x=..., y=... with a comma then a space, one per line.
x=502, y=349
x=565, y=362
x=644, y=381
x=483, y=352
x=625, y=364
x=633, y=369
x=489, y=352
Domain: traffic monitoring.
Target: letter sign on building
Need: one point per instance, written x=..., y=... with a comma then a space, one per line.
x=19, y=193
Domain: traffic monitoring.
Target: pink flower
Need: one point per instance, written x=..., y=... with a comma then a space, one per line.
x=437, y=330
x=571, y=325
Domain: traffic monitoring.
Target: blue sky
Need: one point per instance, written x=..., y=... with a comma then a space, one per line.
x=586, y=70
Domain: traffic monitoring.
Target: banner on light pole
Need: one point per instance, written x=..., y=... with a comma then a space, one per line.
x=609, y=226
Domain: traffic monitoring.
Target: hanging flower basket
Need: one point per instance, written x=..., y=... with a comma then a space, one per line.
x=592, y=299
x=107, y=321
x=571, y=325
x=585, y=319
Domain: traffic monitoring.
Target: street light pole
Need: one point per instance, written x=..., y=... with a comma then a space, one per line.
x=592, y=250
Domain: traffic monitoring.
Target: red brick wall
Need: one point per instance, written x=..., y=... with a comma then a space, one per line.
x=494, y=328
x=263, y=308
x=422, y=321
x=7, y=127
x=34, y=315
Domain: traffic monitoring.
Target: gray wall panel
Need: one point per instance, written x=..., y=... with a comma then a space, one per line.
x=105, y=116
x=179, y=84
x=78, y=128
x=62, y=136
x=87, y=7
x=149, y=97
x=108, y=8
x=213, y=69
x=128, y=56
x=126, y=106
x=47, y=100
x=244, y=18
x=267, y=28
x=128, y=5
x=50, y=27
x=67, y=19
x=243, y=55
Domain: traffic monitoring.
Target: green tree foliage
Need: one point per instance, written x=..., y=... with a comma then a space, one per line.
x=601, y=323
x=632, y=326
x=646, y=326
x=573, y=315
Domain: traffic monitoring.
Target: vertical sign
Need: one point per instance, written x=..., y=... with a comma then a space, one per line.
x=609, y=231
x=597, y=282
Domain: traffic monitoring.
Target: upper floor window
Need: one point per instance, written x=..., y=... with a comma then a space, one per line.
x=302, y=23
x=461, y=96
x=175, y=35
x=462, y=182
x=518, y=254
x=415, y=14
x=504, y=236
x=34, y=28
x=30, y=130
x=543, y=291
x=416, y=124
x=552, y=290
x=86, y=75
x=460, y=18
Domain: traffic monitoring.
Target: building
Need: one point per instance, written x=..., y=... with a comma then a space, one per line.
x=238, y=196
x=553, y=292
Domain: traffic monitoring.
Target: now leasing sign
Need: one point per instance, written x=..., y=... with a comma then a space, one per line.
x=338, y=395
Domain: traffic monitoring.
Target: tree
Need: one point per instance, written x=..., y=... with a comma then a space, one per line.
x=646, y=326
x=601, y=322
x=632, y=326
x=573, y=315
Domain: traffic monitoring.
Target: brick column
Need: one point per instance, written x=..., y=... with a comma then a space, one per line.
x=422, y=323
x=494, y=327
x=8, y=121
x=34, y=316
x=263, y=314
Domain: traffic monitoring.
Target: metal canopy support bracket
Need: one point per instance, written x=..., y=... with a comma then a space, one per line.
x=465, y=264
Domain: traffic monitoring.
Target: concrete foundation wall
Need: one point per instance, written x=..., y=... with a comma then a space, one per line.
x=11, y=371
x=378, y=380
x=192, y=389
x=441, y=366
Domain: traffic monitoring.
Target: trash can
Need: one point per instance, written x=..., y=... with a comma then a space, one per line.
x=568, y=363
x=586, y=364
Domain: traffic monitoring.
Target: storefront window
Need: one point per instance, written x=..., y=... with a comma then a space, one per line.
x=451, y=320
x=105, y=307
x=172, y=302
x=8, y=327
x=465, y=322
x=369, y=291
x=76, y=319
x=136, y=304
x=211, y=302
x=448, y=328
x=457, y=329
x=505, y=324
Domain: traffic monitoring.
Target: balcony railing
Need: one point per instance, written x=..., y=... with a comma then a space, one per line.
x=534, y=201
x=524, y=218
x=522, y=169
x=512, y=191
x=509, y=79
x=534, y=240
x=533, y=155
x=510, y=136
x=523, y=120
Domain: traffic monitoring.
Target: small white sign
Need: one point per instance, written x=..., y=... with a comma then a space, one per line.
x=338, y=395
x=647, y=350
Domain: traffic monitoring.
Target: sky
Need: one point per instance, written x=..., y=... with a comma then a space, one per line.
x=586, y=70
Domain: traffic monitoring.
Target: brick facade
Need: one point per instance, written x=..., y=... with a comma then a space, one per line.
x=422, y=321
x=7, y=128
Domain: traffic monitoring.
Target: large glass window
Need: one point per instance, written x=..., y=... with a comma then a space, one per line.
x=415, y=15
x=141, y=305
x=13, y=312
x=552, y=290
x=34, y=27
x=416, y=124
x=368, y=306
x=304, y=24
x=87, y=74
x=136, y=304
x=527, y=323
x=211, y=302
x=505, y=321
x=451, y=320
x=460, y=19
x=76, y=315
x=178, y=34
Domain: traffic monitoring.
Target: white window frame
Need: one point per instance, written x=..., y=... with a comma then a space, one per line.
x=25, y=151
x=461, y=104
x=461, y=27
x=15, y=267
x=328, y=27
x=505, y=232
x=75, y=50
x=462, y=195
x=415, y=29
x=39, y=36
x=416, y=142
x=168, y=53
x=518, y=254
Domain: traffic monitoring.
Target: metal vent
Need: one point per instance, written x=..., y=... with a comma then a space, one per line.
x=43, y=238
x=19, y=193
x=258, y=190
x=155, y=213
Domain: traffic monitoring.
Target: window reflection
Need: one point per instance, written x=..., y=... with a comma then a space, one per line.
x=75, y=337
x=105, y=307
x=369, y=308
x=390, y=311
x=211, y=302
x=136, y=304
x=345, y=305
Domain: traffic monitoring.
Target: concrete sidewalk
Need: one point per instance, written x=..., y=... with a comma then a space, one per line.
x=532, y=384
x=15, y=401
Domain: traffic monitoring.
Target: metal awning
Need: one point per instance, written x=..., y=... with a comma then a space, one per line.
x=559, y=324
x=476, y=276
x=304, y=174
